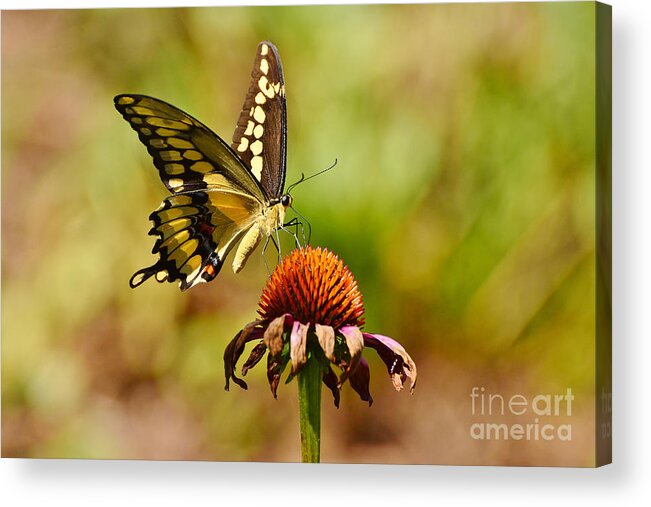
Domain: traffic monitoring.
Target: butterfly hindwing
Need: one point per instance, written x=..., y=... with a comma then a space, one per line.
x=260, y=138
x=195, y=232
x=187, y=154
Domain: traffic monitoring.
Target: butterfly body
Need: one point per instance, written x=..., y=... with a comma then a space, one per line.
x=223, y=196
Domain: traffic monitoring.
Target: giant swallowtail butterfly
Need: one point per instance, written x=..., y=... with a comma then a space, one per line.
x=222, y=196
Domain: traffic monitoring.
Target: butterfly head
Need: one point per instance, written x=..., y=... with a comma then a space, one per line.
x=286, y=200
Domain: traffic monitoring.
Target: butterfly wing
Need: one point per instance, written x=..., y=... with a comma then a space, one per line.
x=215, y=197
x=260, y=138
x=187, y=154
x=196, y=230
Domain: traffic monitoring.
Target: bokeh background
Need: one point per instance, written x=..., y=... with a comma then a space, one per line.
x=463, y=201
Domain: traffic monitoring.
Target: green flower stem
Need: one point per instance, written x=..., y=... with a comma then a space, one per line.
x=309, y=406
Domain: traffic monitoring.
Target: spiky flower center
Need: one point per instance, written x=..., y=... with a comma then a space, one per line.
x=314, y=286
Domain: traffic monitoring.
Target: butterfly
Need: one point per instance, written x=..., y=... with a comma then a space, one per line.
x=222, y=195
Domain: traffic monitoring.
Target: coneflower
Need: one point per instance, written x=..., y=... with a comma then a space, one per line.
x=311, y=316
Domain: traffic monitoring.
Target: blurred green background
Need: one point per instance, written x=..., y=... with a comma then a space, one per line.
x=463, y=201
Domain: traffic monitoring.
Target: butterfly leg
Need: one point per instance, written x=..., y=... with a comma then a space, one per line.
x=264, y=249
x=293, y=234
x=276, y=244
x=294, y=222
x=309, y=227
x=280, y=256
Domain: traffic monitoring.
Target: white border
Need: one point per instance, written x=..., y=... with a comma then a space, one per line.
x=626, y=482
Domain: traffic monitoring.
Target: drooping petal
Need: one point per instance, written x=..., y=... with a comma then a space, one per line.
x=234, y=349
x=359, y=380
x=355, y=344
x=330, y=380
x=254, y=358
x=273, y=335
x=274, y=371
x=399, y=364
x=298, y=345
x=326, y=337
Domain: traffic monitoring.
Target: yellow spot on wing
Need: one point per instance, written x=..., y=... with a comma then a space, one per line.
x=170, y=229
x=174, y=169
x=256, y=166
x=158, y=143
x=137, y=278
x=264, y=66
x=170, y=155
x=244, y=144
x=264, y=50
x=175, y=240
x=184, y=251
x=202, y=167
x=266, y=87
x=258, y=131
x=256, y=147
x=259, y=114
x=173, y=226
x=175, y=182
x=192, y=155
x=145, y=130
x=260, y=98
x=180, y=200
x=191, y=267
x=180, y=143
x=143, y=111
x=173, y=213
x=126, y=100
x=163, y=132
x=164, y=122
x=249, y=126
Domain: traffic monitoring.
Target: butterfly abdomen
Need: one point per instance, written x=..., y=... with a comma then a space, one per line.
x=246, y=246
x=264, y=227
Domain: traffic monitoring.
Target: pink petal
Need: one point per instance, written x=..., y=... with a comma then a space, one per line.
x=399, y=363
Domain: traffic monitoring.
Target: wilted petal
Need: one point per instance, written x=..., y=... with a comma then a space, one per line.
x=355, y=344
x=274, y=371
x=326, y=337
x=297, y=345
x=273, y=335
x=235, y=348
x=359, y=380
x=254, y=358
x=330, y=380
x=399, y=363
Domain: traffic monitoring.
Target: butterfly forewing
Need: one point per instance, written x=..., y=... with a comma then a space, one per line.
x=260, y=138
x=187, y=154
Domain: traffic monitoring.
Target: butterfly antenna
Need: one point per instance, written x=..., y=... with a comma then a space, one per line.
x=303, y=178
